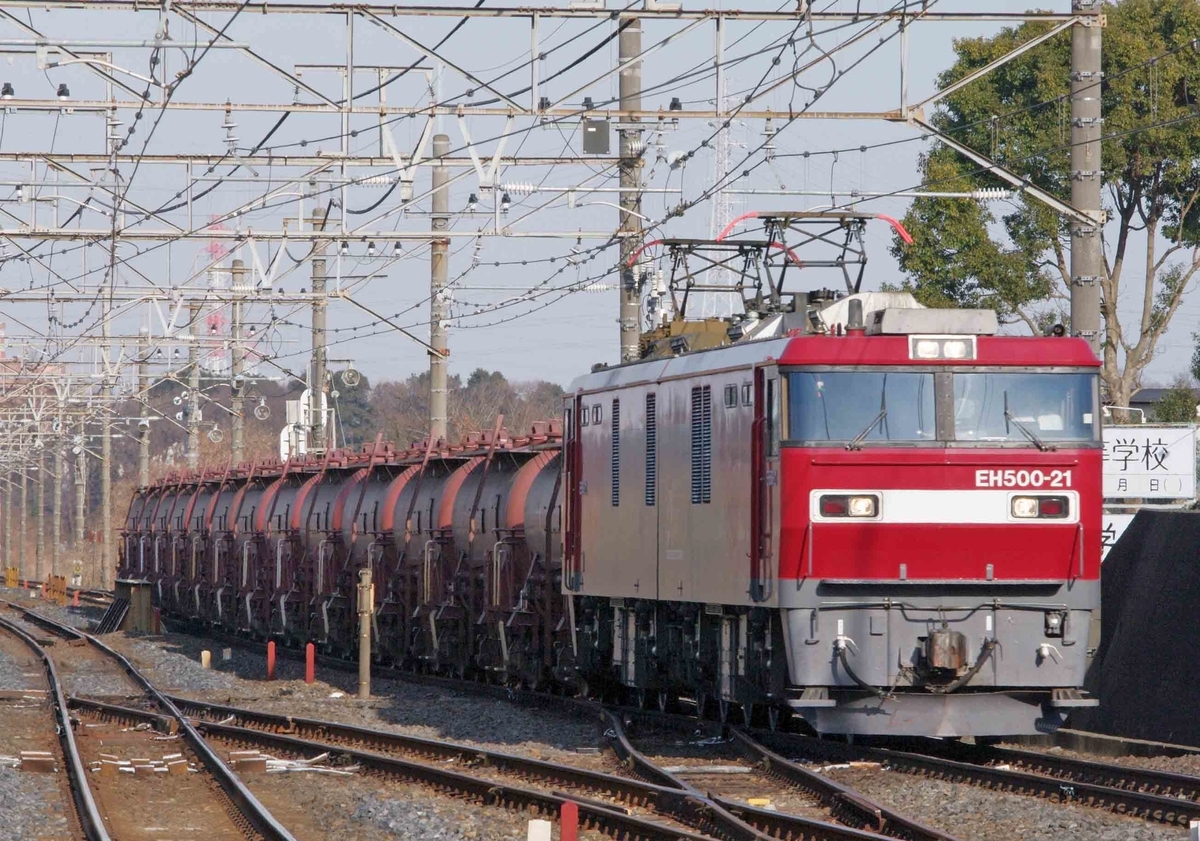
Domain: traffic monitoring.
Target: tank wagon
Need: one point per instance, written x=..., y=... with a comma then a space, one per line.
x=890, y=525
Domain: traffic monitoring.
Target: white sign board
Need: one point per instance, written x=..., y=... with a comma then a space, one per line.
x=1114, y=526
x=1150, y=461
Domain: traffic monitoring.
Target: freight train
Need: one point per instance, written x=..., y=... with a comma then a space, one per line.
x=883, y=519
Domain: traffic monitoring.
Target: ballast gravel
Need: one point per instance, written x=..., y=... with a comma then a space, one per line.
x=31, y=809
x=172, y=663
x=19, y=668
x=976, y=814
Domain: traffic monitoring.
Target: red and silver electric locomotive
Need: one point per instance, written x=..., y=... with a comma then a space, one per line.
x=891, y=526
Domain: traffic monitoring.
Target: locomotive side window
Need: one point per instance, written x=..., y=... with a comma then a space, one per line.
x=747, y=394
x=861, y=406
x=772, y=413
x=597, y=414
x=1024, y=407
x=701, y=445
x=583, y=416
x=731, y=396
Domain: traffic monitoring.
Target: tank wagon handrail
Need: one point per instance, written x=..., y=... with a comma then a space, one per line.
x=235, y=507
x=487, y=465
x=362, y=494
x=212, y=506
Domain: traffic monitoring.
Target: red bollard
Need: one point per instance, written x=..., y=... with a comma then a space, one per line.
x=310, y=663
x=75, y=600
x=569, y=822
x=271, y=660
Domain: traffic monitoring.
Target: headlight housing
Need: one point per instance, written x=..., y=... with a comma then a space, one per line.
x=1040, y=507
x=859, y=506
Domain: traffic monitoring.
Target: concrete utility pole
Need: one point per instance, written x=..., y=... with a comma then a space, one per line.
x=24, y=523
x=316, y=386
x=1087, y=254
x=39, y=550
x=193, y=419
x=8, y=506
x=81, y=487
x=106, y=459
x=630, y=222
x=439, y=271
x=60, y=461
x=143, y=370
x=237, y=366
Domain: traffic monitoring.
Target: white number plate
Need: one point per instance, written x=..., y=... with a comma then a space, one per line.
x=1022, y=478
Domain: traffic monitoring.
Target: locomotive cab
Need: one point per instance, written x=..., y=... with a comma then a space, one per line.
x=941, y=530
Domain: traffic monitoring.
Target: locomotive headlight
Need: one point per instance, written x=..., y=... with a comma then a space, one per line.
x=862, y=506
x=927, y=349
x=954, y=350
x=1024, y=507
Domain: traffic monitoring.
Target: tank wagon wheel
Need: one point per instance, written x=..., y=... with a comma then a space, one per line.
x=664, y=701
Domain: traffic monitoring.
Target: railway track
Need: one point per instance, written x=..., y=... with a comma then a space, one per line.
x=731, y=817
x=125, y=780
x=1161, y=796
x=631, y=810
x=87, y=820
x=1150, y=781
x=680, y=802
x=1117, y=788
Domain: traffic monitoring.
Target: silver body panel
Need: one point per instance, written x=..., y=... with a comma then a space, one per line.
x=674, y=550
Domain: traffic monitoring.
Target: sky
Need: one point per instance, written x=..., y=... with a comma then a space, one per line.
x=554, y=336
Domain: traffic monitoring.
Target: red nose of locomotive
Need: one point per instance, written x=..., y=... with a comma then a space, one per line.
x=940, y=523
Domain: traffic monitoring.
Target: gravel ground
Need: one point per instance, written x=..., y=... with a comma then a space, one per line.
x=84, y=617
x=317, y=808
x=32, y=807
x=19, y=668
x=172, y=663
x=82, y=670
x=976, y=814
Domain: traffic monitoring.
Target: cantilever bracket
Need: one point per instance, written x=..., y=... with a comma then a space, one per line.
x=1086, y=217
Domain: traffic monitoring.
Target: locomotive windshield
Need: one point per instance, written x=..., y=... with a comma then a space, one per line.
x=1036, y=408
x=1011, y=407
x=863, y=405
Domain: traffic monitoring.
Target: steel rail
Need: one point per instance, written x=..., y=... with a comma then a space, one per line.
x=847, y=805
x=729, y=819
x=663, y=793
x=85, y=804
x=1126, y=777
x=1157, y=807
x=606, y=817
x=262, y=820
x=627, y=790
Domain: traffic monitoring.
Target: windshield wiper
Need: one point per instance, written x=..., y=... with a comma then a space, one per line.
x=1026, y=431
x=856, y=444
